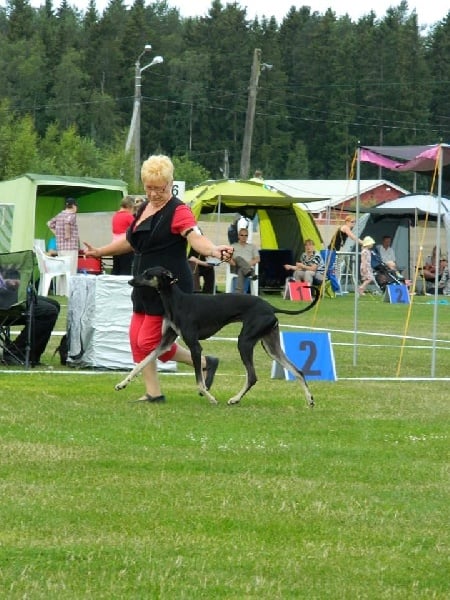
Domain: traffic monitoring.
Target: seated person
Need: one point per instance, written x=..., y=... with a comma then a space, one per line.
x=9, y=287
x=429, y=269
x=46, y=311
x=444, y=280
x=245, y=257
x=310, y=268
x=202, y=269
x=52, y=250
x=387, y=255
x=429, y=275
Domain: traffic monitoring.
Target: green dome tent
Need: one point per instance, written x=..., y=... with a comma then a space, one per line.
x=282, y=223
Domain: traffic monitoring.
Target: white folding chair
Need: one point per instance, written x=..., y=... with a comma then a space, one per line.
x=231, y=280
x=52, y=267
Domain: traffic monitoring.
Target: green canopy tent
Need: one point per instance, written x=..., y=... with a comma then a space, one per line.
x=29, y=201
x=282, y=223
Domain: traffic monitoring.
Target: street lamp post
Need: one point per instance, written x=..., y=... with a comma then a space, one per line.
x=135, y=127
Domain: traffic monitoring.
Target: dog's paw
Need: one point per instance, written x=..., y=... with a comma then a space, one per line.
x=118, y=387
x=233, y=401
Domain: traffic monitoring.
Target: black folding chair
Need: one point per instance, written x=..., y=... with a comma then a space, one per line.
x=17, y=298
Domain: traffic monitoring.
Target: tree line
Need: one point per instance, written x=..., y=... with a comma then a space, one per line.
x=67, y=85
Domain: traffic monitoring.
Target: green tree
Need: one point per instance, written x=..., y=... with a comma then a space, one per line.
x=18, y=143
x=297, y=163
x=69, y=94
x=189, y=171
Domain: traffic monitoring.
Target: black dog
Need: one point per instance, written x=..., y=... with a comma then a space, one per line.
x=196, y=317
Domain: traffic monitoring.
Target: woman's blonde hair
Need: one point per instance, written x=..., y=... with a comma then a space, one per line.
x=157, y=167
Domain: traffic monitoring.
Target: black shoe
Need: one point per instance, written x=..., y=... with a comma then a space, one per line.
x=211, y=367
x=156, y=399
x=148, y=398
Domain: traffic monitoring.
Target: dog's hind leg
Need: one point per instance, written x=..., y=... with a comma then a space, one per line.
x=168, y=338
x=271, y=344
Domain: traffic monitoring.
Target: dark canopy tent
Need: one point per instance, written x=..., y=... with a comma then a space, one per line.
x=399, y=219
x=431, y=160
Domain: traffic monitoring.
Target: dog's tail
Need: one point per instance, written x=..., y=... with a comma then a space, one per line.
x=315, y=294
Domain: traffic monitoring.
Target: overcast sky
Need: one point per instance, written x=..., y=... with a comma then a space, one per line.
x=429, y=11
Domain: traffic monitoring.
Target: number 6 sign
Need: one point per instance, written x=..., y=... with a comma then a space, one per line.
x=310, y=352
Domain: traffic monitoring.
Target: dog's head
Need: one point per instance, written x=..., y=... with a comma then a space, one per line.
x=154, y=277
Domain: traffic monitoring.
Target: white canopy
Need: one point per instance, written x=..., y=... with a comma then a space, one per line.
x=414, y=203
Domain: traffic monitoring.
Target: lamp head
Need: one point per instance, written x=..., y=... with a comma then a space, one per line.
x=156, y=61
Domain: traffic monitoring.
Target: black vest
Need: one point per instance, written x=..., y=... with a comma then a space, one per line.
x=155, y=245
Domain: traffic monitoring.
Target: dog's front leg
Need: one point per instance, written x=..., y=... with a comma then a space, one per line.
x=137, y=369
x=168, y=338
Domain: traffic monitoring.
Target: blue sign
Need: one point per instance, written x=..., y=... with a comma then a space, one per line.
x=397, y=294
x=310, y=352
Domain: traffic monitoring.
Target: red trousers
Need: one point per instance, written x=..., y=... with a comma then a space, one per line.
x=145, y=335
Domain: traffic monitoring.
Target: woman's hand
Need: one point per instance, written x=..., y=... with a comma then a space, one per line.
x=91, y=251
x=223, y=252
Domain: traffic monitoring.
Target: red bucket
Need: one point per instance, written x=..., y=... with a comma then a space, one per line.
x=89, y=265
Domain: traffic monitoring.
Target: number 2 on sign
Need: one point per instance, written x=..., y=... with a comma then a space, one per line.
x=310, y=347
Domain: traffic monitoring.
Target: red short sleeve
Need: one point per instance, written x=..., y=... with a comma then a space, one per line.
x=183, y=219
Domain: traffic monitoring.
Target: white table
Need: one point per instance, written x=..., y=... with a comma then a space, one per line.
x=98, y=319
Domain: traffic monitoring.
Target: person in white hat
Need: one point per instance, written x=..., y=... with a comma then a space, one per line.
x=367, y=275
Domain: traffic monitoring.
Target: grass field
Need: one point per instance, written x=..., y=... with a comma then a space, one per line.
x=102, y=498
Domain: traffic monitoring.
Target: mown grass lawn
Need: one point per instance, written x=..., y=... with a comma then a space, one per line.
x=103, y=498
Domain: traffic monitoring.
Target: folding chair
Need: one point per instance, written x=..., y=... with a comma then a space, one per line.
x=52, y=267
x=17, y=297
x=251, y=286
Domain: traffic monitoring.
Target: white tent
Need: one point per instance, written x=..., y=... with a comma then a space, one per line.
x=419, y=204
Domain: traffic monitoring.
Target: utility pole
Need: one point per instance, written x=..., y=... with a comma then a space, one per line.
x=226, y=166
x=250, y=116
x=257, y=69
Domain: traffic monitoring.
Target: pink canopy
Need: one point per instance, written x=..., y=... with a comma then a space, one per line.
x=413, y=158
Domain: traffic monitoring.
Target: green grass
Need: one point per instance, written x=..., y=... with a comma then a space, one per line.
x=269, y=499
